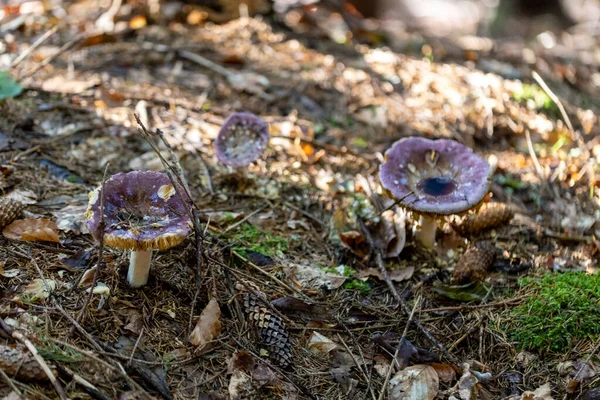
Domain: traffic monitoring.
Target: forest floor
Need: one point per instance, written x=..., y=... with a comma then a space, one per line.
x=289, y=225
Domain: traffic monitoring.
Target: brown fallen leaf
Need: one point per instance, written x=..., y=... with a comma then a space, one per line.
x=8, y=273
x=396, y=275
x=542, y=393
x=37, y=290
x=208, y=326
x=417, y=382
x=32, y=230
x=445, y=372
x=390, y=233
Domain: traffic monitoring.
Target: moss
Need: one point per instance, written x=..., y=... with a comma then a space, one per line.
x=535, y=96
x=355, y=284
x=251, y=238
x=561, y=309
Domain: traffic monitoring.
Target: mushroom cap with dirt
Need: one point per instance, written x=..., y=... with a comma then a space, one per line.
x=242, y=139
x=142, y=212
x=434, y=178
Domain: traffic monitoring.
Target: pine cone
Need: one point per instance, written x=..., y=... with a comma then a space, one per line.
x=474, y=263
x=271, y=329
x=9, y=210
x=18, y=362
x=490, y=215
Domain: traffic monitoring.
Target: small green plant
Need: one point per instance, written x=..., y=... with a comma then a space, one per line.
x=358, y=285
x=8, y=86
x=561, y=309
x=538, y=98
x=256, y=240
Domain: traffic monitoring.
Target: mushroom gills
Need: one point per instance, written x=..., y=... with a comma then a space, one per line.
x=139, y=267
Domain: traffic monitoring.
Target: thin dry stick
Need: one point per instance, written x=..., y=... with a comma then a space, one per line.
x=536, y=163
x=10, y=383
x=21, y=338
x=66, y=47
x=101, y=227
x=265, y=273
x=175, y=173
x=137, y=342
x=34, y=46
x=391, y=368
x=557, y=101
x=405, y=308
x=246, y=218
x=364, y=374
x=133, y=384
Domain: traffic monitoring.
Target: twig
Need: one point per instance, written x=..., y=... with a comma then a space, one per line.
x=175, y=173
x=135, y=346
x=133, y=384
x=92, y=390
x=34, y=46
x=325, y=146
x=364, y=374
x=66, y=47
x=557, y=101
x=265, y=273
x=474, y=306
x=405, y=308
x=21, y=338
x=391, y=368
x=303, y=390
x=101, y=227
x=10, y=383
x=536, y=163
x=246, y=218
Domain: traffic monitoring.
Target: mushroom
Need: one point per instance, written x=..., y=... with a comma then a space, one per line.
x=242, y=139
x=142, y=212
x=434, y=178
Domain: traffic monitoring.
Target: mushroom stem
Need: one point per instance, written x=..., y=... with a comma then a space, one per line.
x=426, y=234
x=139, y=267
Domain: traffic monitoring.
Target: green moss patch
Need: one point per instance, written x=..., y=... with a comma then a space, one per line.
x=561, y=309
x=251, y=238
x=537, y=98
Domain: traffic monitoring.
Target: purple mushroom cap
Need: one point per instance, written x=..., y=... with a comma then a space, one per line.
x=440, y=177
x=242, y=139
x=142, y=211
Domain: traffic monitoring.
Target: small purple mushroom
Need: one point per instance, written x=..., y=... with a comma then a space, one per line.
x=434, y=178
x=242, y=139
x=141, y=212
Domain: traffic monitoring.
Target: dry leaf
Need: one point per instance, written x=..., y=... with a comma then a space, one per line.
x=37, y=289
x=445, y=372
x=418, y=382
x=71, y=219
x=321, y=344
x=542, y=393
x=32, y=230
x=390, y=233
x=396, y=275
x=208, y=326
x=22, y=196
x=8, y=273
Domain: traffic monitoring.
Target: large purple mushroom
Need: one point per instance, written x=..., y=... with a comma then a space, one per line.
x=434, y=178
x=242, y=139
x=142, y=211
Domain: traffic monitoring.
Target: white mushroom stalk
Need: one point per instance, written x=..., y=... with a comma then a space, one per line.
x=139, y=267
x=426, y=232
